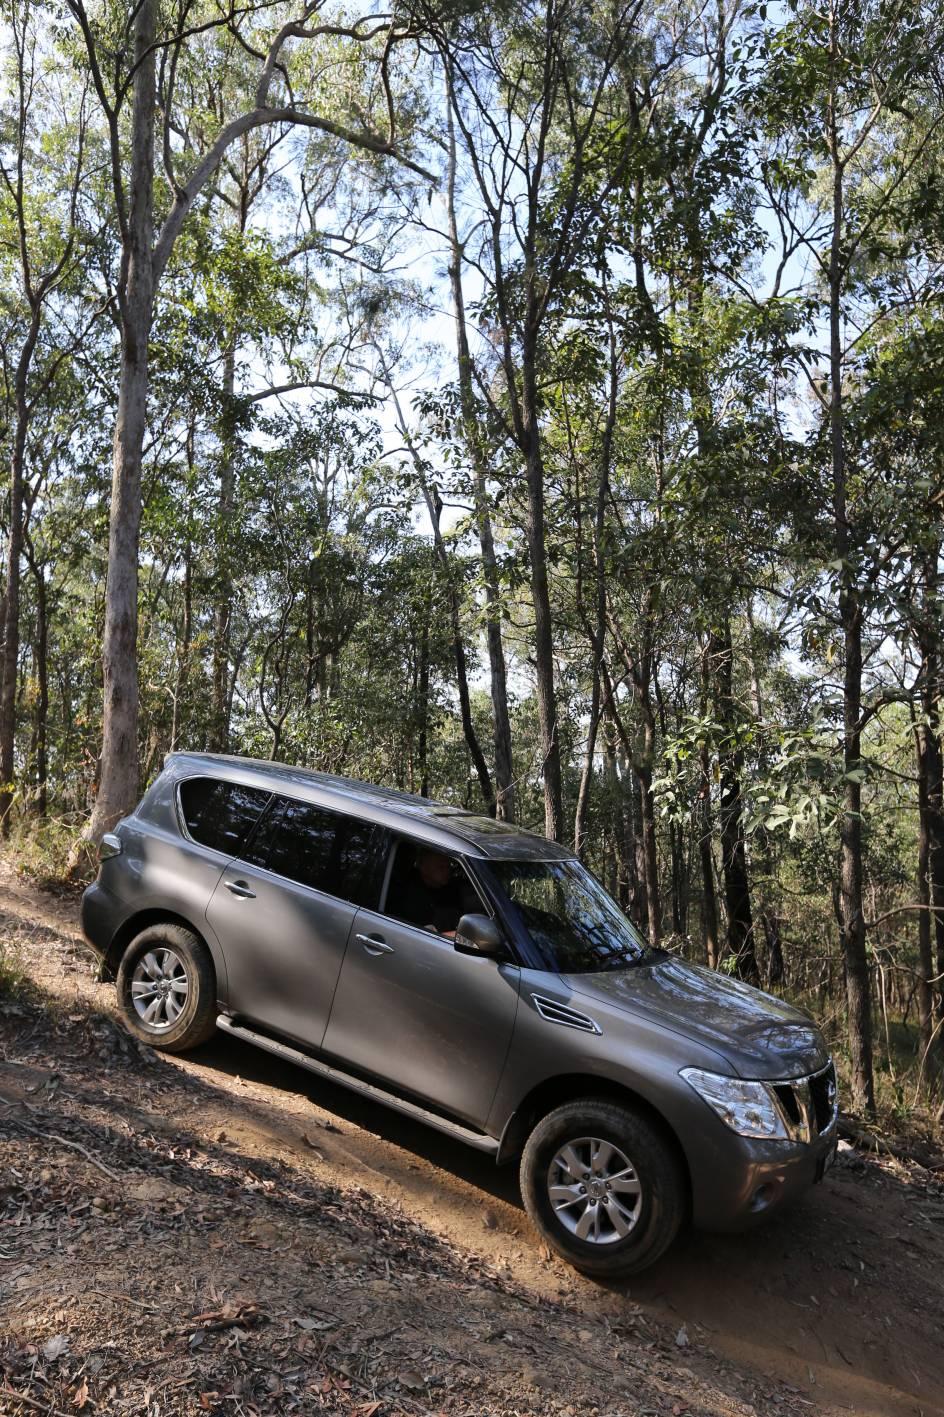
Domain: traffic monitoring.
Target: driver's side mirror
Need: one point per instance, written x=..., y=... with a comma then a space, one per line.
x=479, y=935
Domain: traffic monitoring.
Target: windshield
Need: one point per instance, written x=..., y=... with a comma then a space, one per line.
x=568, y=914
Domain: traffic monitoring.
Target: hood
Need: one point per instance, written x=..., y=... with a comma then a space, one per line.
x=760, y=1036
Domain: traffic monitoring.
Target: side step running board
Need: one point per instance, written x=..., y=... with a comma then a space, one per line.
x=366, y=1089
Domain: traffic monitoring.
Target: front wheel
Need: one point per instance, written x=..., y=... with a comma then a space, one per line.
x=603, y=1187
x=167, y=988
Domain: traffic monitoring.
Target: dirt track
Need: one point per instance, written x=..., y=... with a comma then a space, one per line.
x=835, y=1307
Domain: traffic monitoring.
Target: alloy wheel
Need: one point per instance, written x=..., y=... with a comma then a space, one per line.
x=594, y=1190
x=159, y=988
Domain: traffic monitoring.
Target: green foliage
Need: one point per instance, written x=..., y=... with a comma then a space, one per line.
x=13, y=975
x=657, y=282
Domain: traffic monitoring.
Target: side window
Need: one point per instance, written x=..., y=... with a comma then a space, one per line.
x=328, y=851
x=429, y=889
x=220, y=814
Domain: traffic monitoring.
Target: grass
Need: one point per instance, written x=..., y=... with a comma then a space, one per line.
x=13, y=975
x=46, y=852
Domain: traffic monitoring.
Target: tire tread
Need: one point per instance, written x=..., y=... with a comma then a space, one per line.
x=648, y=1151
x=197, y=1026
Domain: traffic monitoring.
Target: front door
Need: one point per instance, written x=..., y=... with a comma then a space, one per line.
x=283, y=911
x=412, y=1010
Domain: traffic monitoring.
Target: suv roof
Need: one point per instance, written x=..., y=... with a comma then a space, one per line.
x=436, y=822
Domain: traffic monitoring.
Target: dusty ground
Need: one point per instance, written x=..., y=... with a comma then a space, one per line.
x=226, y=1234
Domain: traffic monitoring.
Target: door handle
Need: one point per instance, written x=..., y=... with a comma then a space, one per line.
x=241, y=889
x=374, y=945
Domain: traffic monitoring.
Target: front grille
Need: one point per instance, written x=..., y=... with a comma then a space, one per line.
x=824, y=1095
x=789, y=1104
x=809, y=1105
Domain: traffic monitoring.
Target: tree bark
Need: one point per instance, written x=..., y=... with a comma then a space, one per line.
x=504, y=766
x=118, y=785
x=709, y=898
x=737, y=889
x=540, y=596
x=222, y=612
x=422, y=750
x=434, y=509
x=598, y=631
x=930, y=825
x=41, y=719
x=144, y=260
x=11, y=603
x=851, y=915
x=640, y=764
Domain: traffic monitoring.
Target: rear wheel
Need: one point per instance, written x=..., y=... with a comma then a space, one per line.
x=602, y=1186
x=167, y=988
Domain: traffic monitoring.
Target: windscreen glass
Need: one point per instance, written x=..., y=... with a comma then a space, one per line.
x=576, y=925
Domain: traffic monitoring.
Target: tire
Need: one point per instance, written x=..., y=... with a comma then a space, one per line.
x=171, y=953
x=626, y=1226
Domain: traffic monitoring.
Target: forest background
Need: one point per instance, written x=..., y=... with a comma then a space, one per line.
x=536, y=406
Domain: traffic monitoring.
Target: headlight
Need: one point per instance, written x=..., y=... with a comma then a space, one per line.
x=748, y=1108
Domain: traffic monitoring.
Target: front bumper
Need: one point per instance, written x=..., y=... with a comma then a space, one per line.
x=758, y=1178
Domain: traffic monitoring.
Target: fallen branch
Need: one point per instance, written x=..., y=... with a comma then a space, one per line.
x=63, y=1141
x=860, y=1136
x=32, y=1402
x=230, y=1316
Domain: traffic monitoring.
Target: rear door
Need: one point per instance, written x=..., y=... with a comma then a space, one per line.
x=283, y=911
x=415, y=1012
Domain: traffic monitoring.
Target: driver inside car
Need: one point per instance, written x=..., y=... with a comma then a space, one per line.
x=433, y=896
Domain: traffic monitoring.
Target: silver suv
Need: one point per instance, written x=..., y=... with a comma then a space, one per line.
x=472, y=975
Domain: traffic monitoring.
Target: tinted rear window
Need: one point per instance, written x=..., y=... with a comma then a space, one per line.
x=221, y=814
x=328, y=851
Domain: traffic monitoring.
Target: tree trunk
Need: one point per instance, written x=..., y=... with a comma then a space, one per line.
x=222, y=612
x=434, y=508
x=423, y=705
x=541, y=597
x=851, y=915
x=184, y=649
x=647, y=803
x=11, y=606
x=118, y=787
x=641, y=768
x=638, y=908
x=930, y=825
x=586, y=772
x=41, y=719
x=934, y=763
x=598, y=633
x=504, y=767
x=709, y=908
x=42, y=696
x=737, y=889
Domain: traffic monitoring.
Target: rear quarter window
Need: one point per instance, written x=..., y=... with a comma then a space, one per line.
x=220, y=814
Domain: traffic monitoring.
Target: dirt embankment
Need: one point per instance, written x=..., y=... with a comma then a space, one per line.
x=223, y=1233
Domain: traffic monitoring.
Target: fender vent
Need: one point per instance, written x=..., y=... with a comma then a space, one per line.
x=560, y=1013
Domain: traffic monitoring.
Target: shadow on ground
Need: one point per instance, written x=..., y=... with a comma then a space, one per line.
x=839, y=1294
